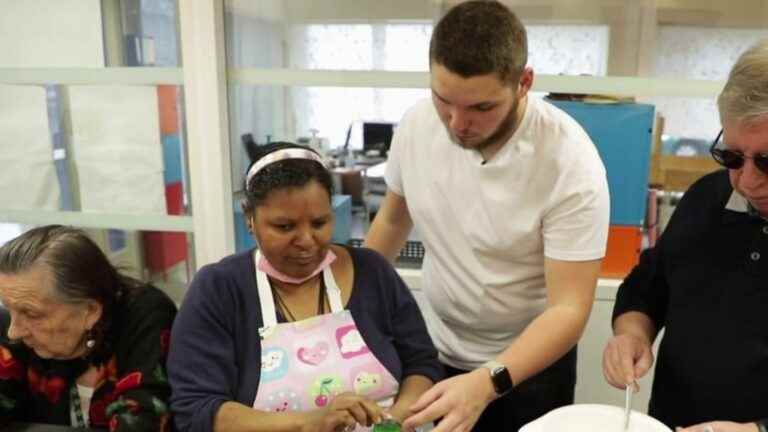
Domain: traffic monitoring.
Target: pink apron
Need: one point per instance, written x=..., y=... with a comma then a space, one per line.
x=305, y=364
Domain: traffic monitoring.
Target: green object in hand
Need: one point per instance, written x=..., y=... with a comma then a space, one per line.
x=387, y=425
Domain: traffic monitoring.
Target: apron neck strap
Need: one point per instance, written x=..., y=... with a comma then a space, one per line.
x=333, y=291
x=268, y=310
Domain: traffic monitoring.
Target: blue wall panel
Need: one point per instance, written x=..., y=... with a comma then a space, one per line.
x=623, y=136
x=172, y=158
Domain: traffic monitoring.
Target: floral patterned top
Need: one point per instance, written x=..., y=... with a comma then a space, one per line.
x=132, y=392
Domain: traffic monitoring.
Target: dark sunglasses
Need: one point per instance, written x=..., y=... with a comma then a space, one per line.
x=735, y=160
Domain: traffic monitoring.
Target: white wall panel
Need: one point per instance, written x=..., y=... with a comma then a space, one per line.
x=115, y=139
x=28, y=175
x=51, y=33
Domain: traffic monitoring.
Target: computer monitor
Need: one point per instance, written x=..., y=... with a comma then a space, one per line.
x=377, y=136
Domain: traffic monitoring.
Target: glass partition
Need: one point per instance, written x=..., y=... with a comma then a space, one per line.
x=93, y=129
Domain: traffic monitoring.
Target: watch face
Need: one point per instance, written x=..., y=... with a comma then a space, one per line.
x=502, y=382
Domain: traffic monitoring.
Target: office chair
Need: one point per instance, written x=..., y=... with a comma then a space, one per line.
x=249, y=145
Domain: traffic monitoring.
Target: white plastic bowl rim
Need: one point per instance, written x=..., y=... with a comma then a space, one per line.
x=593, y=417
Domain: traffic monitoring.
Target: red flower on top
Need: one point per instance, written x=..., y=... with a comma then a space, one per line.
x=122, y=408
x=51, y=388
x=10, y=368
x=99, y=408
x=130, y=381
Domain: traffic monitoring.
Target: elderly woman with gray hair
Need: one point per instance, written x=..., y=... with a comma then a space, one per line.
x=706, y=281
x=80, y=343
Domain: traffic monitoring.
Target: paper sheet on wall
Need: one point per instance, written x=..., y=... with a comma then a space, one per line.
x=27, y=173
x=115, y=138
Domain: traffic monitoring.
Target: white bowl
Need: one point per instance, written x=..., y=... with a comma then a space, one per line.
x=593, y=418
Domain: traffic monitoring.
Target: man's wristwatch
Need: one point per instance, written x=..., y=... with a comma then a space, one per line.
x=502, y=381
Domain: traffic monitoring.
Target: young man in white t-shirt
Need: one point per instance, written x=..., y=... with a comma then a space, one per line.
x=511, y=200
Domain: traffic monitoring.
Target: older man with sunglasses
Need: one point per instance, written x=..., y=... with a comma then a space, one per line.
x=706, y=281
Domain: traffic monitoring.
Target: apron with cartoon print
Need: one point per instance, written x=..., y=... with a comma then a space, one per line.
x=305, y=364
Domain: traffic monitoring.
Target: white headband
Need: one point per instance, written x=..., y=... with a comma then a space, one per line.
x=279, y=155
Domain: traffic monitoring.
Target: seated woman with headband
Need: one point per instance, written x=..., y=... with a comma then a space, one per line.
x=300, y=334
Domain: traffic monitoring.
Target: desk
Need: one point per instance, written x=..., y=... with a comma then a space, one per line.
x=358, y=180
x=350, y=181
x=374, y=180
x=376, y=171
x=39, y=427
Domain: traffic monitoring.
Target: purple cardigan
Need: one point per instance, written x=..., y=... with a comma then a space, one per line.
x=216, y=351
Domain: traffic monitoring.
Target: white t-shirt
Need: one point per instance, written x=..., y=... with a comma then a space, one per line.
x=486, y=228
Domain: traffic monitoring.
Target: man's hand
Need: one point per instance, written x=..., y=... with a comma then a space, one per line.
x=626, y=359
x=458, y=400
x=345, y=412
x=720, y=426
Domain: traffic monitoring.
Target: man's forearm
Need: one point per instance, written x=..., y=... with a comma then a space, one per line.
x=546, y=339
x=570, y=287
x=386, y=239
x=391, y=227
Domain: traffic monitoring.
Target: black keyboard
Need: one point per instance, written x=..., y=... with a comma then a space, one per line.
x=411, y=253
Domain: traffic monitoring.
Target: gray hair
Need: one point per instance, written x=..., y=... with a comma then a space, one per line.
x=745, y=95
x=79, y=272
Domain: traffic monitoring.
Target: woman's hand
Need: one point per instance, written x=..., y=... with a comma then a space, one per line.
x=398, y=412
x=412, y=387
x=345, y=412
x=458, y=400
x=720, y=426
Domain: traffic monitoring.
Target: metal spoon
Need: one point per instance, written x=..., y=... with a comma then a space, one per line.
x=628, y=402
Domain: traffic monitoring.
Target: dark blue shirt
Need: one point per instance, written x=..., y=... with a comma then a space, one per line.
x=706, y=284
x=215, y=353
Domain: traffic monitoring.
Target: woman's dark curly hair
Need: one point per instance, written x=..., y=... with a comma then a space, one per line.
x=283, y=174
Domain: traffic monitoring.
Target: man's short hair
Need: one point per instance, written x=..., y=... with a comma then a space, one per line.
x=478, y=38
x=745, y=95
